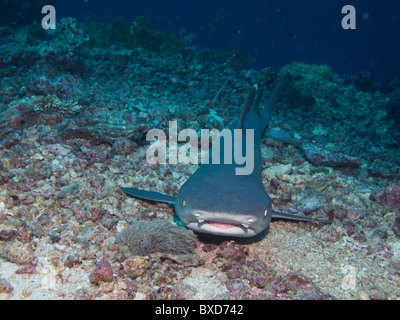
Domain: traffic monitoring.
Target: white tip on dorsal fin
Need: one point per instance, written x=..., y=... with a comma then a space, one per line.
x=247, y=105
x=258, y=100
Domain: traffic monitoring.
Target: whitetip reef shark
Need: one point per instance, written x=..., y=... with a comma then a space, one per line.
x=215, y=199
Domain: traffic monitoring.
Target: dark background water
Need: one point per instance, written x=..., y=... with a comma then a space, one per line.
x=274, y=32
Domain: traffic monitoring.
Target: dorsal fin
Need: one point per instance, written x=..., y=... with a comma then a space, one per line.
x=258, y=100
x=274, y=97
x=247, y=106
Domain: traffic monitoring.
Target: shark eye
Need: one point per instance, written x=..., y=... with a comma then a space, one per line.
x=183, y=202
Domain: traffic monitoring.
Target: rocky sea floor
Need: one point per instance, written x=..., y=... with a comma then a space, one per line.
x=73, y=127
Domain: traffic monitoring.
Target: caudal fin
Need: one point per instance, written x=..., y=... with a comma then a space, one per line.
x=274, y=97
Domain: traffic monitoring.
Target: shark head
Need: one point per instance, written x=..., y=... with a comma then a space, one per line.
x=220, y=207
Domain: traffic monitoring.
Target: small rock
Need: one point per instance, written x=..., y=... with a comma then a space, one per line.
x=8, y=234
x=261, y=282
x=389, y=196
x=321, y=157
x=360, y=236
x=72, y=261
x=183, y=291
x=187, y=260
x=59, y=149
x=300, y=287
x=238, y=289
x=232, y=251
x=95, y=212
x=235, y=271
x=102, y=273
x=5, y=286
x=311, y=200
x=68, y=189
x=122, y=146
x=26, y=292
x=136, y=266
x=26, y=270
x=396, y=227
x=19, y=253
x=162, y=293
x=377, y=295
x=2, y=205
x=209, y=247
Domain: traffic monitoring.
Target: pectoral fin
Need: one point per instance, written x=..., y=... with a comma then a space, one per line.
x=287, y=216
x=149, y=195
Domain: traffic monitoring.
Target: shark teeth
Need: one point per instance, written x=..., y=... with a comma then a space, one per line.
x=199, y=218
x=244, y=225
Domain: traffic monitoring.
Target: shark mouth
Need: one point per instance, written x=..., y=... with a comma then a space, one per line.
x=220, y=225
x=223, y=228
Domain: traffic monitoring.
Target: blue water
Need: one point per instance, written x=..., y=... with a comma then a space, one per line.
x=274, y=32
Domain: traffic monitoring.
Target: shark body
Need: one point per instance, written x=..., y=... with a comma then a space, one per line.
x=215, y=199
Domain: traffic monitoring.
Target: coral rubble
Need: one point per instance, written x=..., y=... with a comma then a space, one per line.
x=75, y=109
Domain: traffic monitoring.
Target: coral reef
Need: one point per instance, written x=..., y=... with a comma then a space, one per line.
x=146, y=237
x=364, y=81
x=47, y=104
x=393, y=107
x=313, y=83
x=70, y=34
x=138, y=34
x=390, y=196
x=323, y=72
